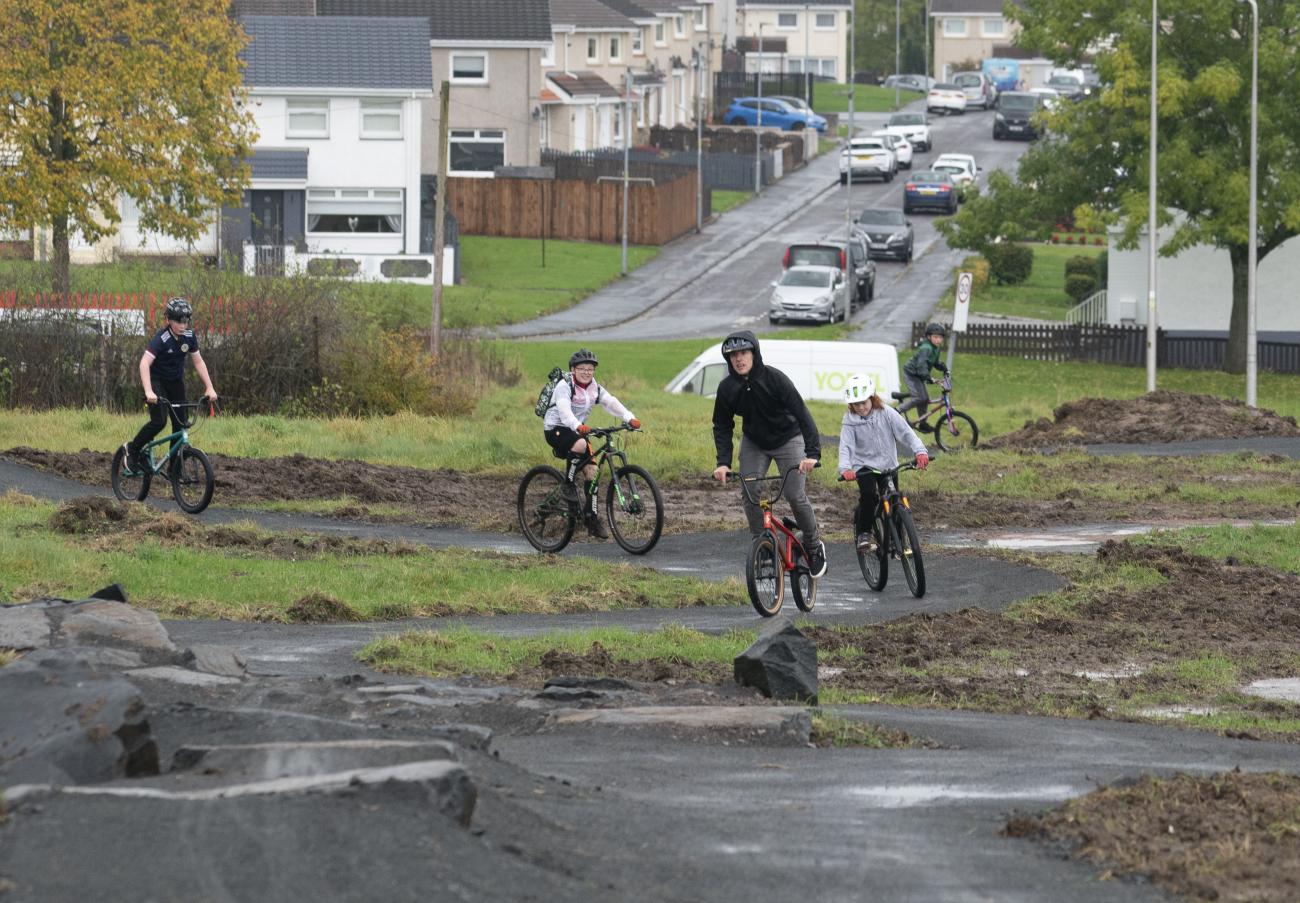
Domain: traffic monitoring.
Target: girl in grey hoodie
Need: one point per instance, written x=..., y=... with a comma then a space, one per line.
x=870, y=434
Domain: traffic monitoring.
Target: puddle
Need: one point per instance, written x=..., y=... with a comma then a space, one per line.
x=893, y=797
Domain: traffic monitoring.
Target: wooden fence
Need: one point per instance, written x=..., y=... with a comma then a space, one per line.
x=1106, y=344
x=573, y=209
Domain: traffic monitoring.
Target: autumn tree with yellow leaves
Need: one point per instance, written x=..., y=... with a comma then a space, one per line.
x=104, y=98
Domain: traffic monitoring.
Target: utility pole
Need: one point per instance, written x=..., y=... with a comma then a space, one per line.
x=848, y=184
x=699, y=138
x=807, y=27
x=627, y=145
x=898, y=33
x=926, y=69
x=758, y=143
x=439, y=213
x=1153, y=237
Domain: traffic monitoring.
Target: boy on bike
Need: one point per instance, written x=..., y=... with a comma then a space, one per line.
x=870, y=434
x=775, y=426
x=162, y=373
x=565, y=428
x=917, y=370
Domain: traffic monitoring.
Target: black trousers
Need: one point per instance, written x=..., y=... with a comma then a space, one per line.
x=868, y=498
x=174, y=391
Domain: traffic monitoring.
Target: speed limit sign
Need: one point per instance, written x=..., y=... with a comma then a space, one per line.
x=964, y=282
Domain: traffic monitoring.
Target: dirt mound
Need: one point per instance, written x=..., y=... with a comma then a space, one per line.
x=1160, y=416
x=597, y=662
x=318, y=608
x=95, y=516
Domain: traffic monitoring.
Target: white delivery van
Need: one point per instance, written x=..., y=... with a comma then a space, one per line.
x=818, y=370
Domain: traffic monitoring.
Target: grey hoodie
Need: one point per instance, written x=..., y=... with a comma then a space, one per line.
x=872, y=441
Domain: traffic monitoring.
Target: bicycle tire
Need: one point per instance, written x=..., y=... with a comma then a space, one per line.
x=765, y=576
x=960, y=433
x=803, y=585
x=875, y=564
x=909, y=551
x=128, y=487
x=546, y=518
x=190, y=473
x=637, y=521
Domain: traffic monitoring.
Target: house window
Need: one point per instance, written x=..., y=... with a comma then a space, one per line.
x=618, y=124
x=381, y=119
x=476, y=152
x=593, y=50
x=616, y=49
x=638, y=43
x=994, y=27
x=469, y=68
x=787, y=21
x=660, y=39
x=548, y=56
x=307, y=118
x=954, y=27
x=700, y=24
x=350, y=211
x=825, y=22
x=679, y=26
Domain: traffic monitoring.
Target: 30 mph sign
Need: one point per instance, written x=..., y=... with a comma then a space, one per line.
x=964, y=283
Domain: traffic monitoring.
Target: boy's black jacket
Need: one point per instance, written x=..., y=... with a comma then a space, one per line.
x=770, y=408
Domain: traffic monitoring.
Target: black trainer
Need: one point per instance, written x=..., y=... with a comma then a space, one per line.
x=817, y=558
x=596, y=527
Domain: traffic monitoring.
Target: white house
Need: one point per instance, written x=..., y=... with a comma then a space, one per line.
x=336, y=167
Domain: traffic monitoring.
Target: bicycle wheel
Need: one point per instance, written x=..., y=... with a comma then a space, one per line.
x=875, y=562
x=191, y=476
x=128, y=484
x=803, y=584
x=909, y=551
x=960, y=433
x=546, y=518
x=765, y=576
x=634, y=509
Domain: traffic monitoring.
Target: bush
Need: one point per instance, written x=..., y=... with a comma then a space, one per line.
x=1101, y=268
x=1080, y=286
x=979, y=269
x=1010, y=264
x=1079, y=265
x=1056, y=239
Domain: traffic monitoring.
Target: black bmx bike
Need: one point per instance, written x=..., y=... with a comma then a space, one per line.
x=634, y=507
x=953, y=430
x=186, y=467
x=891, y=534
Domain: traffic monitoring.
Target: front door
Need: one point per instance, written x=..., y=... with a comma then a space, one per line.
x=268, y=231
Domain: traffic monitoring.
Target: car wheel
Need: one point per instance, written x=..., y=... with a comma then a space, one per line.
x=909, y=253
x=773, y=320
x=796, y=127
x=736, y=120
x=907, y=210
x=871, y=292
x=844, y=179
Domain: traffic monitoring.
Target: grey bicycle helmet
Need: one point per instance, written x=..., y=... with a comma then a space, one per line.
x=736, y=343
x=583, y=356
x=179, y=310
x=936, y=329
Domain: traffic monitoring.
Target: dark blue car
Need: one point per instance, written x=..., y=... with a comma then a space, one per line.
x=775, y=113
x=930, y=191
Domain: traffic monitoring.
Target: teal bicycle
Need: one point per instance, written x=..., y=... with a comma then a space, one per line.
x=188, y=469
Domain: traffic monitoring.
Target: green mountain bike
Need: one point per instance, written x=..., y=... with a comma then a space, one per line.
x=188, y=469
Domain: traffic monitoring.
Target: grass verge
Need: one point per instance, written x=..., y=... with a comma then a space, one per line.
x=1042, y=296
x=833, y=97
x=243, y=573
x=729, y=200
x=830, y=730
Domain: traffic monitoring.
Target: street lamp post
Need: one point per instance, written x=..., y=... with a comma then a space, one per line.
x=848, y=183
x=898, y=9
x=926, y=69
x=758, y=143
x=1252, y=258
x=1152, y=237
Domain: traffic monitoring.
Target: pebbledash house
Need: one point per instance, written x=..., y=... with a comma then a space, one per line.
x=335, y=186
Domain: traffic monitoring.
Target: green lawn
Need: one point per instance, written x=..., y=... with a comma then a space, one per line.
x=833, y=97
x=729, y=200
x=1042, y=296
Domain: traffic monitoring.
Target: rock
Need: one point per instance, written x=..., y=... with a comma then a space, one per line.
x=111, y=593
x=23, y=627
x=267, y=761
x=220, y=660
x=782, y=664
x=183, y=676
x=783, y=721
x=63, y=721
x=569, y=694
x=591, y=683
x=101, y=623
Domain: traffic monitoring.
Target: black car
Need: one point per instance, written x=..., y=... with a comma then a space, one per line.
x=888, y=233
x=1015, y=115
x=830, y=252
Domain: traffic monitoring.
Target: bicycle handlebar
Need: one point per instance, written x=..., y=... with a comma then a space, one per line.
x=908, y=465
x=601, y=431
x=745, y=481
x=194, y=408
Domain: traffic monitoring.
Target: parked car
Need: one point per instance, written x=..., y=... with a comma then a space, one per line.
x=856, y=262
x=797, y=102
x=775, y=113
x=888, y=233
x=962, y=168
x=1071, y=87
x=810, y=293
x=978, y=88
x=1016, y=114
x=946, y=98
x=930, y=190
x=908, y=82
x=1049, y=97
x=901, y=147
x=912, y=126
x=867, y=158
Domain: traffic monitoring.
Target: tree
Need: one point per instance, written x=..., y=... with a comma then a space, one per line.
x=874, y=34
x=106, y=98
x=1096, y=161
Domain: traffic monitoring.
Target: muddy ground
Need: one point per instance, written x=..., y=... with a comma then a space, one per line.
x=1160, y=416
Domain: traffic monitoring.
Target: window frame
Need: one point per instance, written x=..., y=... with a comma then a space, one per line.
x=476, y=136
x=661, y=33
x=987, y=32
x=794, y=23
x=638, y=42
x=311, y=105
x=817, y=18
x=377, y=105
x=954, y=27
x=616, y=48
x=679, y=26
x=698, y=22
x=464, y=79
x=376, y=197
x=593, y=44
x=548, y=55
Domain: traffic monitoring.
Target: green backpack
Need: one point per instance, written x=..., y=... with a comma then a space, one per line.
x=553, y=378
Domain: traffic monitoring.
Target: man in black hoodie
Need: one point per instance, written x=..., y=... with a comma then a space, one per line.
x=775, y=426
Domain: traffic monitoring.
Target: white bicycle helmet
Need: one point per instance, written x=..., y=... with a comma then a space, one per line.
x=860, y=387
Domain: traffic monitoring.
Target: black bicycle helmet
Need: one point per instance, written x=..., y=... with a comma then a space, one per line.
x=179, y=310
x=736, y=343
x=583, y=356
x=936, y=329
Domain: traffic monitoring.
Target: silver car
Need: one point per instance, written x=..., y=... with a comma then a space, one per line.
x=810, y=294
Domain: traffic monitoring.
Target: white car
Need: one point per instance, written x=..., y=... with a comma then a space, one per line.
x=912, y=126
x=867, y=158
x=1051, y=97
x=810, y=293
x=946, y=98
x=901, y=147
x=962, y=169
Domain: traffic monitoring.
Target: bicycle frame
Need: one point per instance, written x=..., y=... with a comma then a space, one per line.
x=943, y=403
x=783, y=535
x=603, y=457
x=178, y=439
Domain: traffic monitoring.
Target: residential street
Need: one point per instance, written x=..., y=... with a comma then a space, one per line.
x=712, y=284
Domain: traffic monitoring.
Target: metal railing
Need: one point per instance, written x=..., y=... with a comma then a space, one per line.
x=1090, y=310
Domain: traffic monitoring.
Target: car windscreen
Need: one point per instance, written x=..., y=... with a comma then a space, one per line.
x=1018, y=103
x=816, y=257
x=951, y=170
x=967, y=81
x=882, y=217
x=907, y=119
x=875, y=144
x=930, y=176
x=807, y=278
